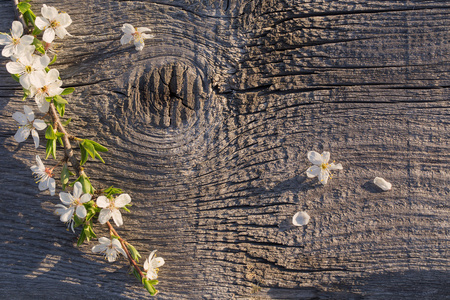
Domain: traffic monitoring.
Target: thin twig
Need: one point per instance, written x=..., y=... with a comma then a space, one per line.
x=122, y=242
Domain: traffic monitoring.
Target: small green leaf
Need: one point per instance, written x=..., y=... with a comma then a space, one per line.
x=39, y=47
x=82, y=238
x=149, y=287
x=99, y=157
x=87, y=186
x=50, y=148
x=89, y=148
x=126, y=209
x=15, y=77
x=136, y=274
x=49, y=133
x=53, y=60
x=65, y=175
x=153, y=282
x=98, y=147
x=111, y=191
x=78, y=221
x=26, y=93
x=68, y=90
x=134, y=253
x=84, y=155
x=65, y=123
x=59, y=99
x=61, y=108
x=23, y=7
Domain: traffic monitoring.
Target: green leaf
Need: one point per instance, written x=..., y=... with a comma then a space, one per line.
x=26, y=93
x=68, y=90
x=99, y=157
x=133, y=252
x=53, y=60
x=50, y=148
x=65, y=123
x=61, y=108
x=23, y=7
x=136, y=274
x=49, y=133
x=84, y=155
x=59, y=99
x=89, y=148
x=39, y=46
x=65, y=175
x=153, y=282
x=78, y=221
x=111, y=191
x=15, y=77
x=87, y=186
x=149, y=287
x=82, y=238
x=98, y=147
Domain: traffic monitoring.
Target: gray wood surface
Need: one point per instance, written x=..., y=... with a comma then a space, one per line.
x=209, y=127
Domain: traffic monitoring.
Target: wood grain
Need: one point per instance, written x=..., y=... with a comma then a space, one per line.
x=209, y=127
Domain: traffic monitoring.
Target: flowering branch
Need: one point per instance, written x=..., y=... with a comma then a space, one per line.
x=30, y=67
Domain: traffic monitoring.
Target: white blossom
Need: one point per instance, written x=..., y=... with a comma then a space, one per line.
x=110, y=247
x=53, y=23
x=72, y=204
x=14, y=41
x=382, y=183
x=151, y=265
x=43, y=176
x=136, y=34
x=300, y=218
x=110, y=208
x=28, y=66
x=48, y=85
x=321, y=166
x=28, y=125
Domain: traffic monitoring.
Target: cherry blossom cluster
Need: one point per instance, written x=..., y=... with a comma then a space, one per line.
x=30, y=66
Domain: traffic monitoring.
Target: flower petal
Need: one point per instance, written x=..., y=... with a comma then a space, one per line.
x=35, y=136
x=117, y=217
x=22, y=134
x=335, y=167
x=66, y=198
x=104, y=241
x=300, y=218
x=125, y=39
x=63, y=19
x=323, y=176
x=102, y=202
x=27, y=40
x=8, y=50
x=51, y=186
x=77, y=190
x=14, y=67
x=151, y=275
x=61, y=32
x=29, y=113
x=42, y=104
x=39, y=163
x=382, y=183
x=43, y=185
x=104, y=215
x=85, y=198
x=99, y=248
x=315, y=157
x=146, y=264
x=49, y=35
x=325, y=156
x=52, y=76
x=313, y=171
x=157, y=262
x=81, y=211
x=147, y=36
x=67, y=215
x=39, y=124
x=41, y=23
x=122, y=200
x=5, y=39
x=143, y=29
x=20, y=118
x=49, y=12
x=16, y=29
x=128, y=28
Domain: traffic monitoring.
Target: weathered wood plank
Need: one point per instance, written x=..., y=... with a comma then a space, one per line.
x=210, y=125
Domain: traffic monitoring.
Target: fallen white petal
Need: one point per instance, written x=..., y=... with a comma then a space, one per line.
x=301, y=218
x=382, y=184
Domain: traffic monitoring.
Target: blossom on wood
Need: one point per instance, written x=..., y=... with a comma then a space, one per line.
x=135, y=34
x=321, y=167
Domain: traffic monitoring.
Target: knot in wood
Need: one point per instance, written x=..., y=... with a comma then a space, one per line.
x=171, y=94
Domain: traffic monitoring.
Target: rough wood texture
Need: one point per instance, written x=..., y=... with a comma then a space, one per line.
x=209, y=127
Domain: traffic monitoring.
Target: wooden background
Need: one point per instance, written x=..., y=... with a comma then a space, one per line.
x=209, y=127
